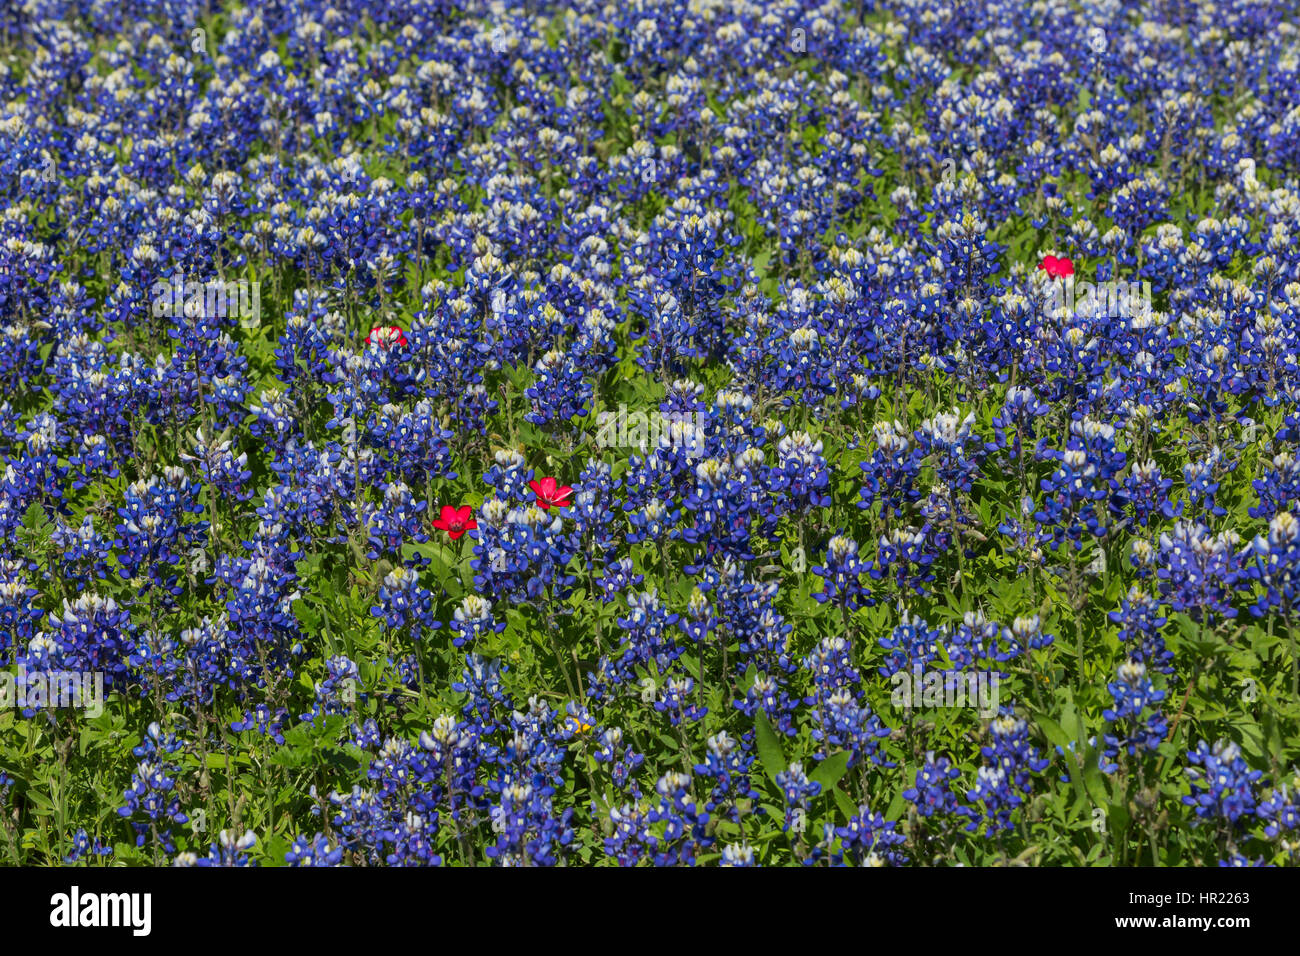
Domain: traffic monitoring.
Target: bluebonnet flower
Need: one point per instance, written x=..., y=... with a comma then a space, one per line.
x=314, y=851
x=1222, y=783
x=265, y=720
x=1279, y=811
x=391, y=823
x=678, y=700
x=646, y=637
x=770, y=695
x=737, y=854
x=481, y=680
x=395, y=522
x=678, y=828
x=1238, y=860
x=906, y=556
x=1072, y=493
x=473, y=620
x=728, y=765
x=93, y=634
x=869, y=840
x=19, y=614
x=842, y=575
x=1140, y=621
x=153, y=532
x=509, y=475
x=621, y=762
x=1004, y=782
x=339, y=692
x=842, y=718
x=1274, y=562
x=221, y=467
x=631, y=838
x=932, y=793
x=618, y=578
x=531, y=833
x=405, y=605
x=82, y=847
x=797, y=789
x=1198, y=571
x=1145, y=495
x=561, y=391
x=151, y=803
x=801, y=474
x=1137, y=725
x=230, y=850
x=892, y=472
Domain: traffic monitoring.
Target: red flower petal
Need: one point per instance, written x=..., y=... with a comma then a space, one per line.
x=386, y=335
x=1057, y=268
x=550, y=493
x=455, y=521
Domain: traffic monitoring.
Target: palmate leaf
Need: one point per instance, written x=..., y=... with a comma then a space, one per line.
x=37, y=530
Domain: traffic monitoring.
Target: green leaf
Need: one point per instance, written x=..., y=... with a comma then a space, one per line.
x=1193, y=635
x=1054, y=732
x=769, y=747
x=830, y=770
x=845, y=804
x=1094, y=782
x=896, y=806
x=35, y=519
x=1070, y=722
x=443, y=562
x=274, y=848
x=306, y=616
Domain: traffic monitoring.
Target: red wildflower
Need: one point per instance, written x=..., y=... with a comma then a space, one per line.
x=386, y=335
x=456, y=521
x=549, y=493
x=1057, y=268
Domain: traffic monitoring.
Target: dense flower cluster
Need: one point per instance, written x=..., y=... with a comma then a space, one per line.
x=529, y=434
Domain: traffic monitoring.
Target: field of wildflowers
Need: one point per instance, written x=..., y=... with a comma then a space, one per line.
x=662, y=432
